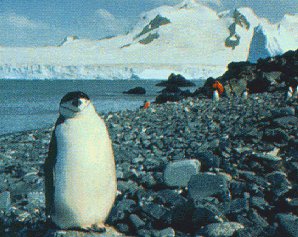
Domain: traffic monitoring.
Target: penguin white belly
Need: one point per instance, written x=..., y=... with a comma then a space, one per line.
x=84, y=174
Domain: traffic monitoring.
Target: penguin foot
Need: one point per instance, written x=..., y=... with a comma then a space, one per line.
x=97, y=229
x=93, y=228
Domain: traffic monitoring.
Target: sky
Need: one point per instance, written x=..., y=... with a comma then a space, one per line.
x=27, y=23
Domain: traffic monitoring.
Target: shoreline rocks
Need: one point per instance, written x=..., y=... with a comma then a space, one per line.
x=183, y=168
x=136, y=91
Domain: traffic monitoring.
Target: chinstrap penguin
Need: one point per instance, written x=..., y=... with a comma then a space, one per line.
x=245, y=94
x=289, y=93
x=295, y=93
x=80, y=175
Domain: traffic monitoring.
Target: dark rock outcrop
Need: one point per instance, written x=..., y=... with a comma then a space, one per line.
x=177, y=80
x=267, y=75
x=136, y=91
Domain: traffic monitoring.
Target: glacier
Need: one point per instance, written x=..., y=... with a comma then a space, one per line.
x=189, y=38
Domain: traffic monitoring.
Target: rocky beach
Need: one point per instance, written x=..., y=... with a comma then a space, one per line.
x=193, y=167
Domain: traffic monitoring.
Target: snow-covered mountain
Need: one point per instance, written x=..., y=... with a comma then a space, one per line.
x=188, y=38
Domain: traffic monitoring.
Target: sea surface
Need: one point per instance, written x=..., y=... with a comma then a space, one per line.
x=34, y=104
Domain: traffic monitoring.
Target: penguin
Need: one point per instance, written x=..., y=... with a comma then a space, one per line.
x=289, y=93
x=295, y=94
x=290, y=89
x=215, y=95
x=245, y=94
x=80, y=173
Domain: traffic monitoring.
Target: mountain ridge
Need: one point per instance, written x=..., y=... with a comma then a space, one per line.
x=187, y=38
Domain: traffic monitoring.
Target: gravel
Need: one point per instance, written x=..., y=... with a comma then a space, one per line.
x=219, y=169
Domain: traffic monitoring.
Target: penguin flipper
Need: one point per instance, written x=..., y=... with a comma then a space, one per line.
x=49, y=174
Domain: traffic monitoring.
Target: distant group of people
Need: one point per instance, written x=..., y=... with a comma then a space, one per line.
x=218, y=90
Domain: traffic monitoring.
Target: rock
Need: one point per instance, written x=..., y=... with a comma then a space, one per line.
x=178, y=173
x=276, y=135
x=251, y=177
x=5, y=200
x=171, y=89
x=168, y=232
x=123, y=228
x=154, y=210
x=286, y=122
x=121, y=210
x=225, y=229
x=293, y=203
x=205, y=185
x=288, y=224
x=237, y=205
x=237, y=188
x=205, y=214
x=208, y=160
x=167, y=96
x=136, y=221
x=136, y=91
x=128, y=187
x=181, y=213
x=236, y=86
x=259, y=203
x=279, y=182
x=206, y=89
x=110, y=232
x=170, y=198
x=283, y=112
x=266, y=157
x=177, y=80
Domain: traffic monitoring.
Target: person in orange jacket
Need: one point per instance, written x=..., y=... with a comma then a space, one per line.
x=146, y=104
x=219, y=87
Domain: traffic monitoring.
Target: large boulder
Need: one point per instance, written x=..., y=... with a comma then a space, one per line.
x=178, y=173
x=205, y=185
x=172, y=93
x=177, y=80
x=136, y=91
x=206, y=89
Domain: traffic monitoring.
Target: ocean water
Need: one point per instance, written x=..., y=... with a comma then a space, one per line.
x=33, y=104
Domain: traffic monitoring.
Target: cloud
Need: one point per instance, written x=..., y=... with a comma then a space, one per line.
x=105, y=15
x=14, y=20
x=108, y=22
x=210, y=2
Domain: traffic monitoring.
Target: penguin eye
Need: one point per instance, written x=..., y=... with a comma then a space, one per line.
x=74, y=95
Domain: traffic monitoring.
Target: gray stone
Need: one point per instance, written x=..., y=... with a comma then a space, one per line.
x=178, y=173
x=225, y=229
x=206, y=214
x=276, y=135
x=154, y=210
x=208, y=159
x=237, y=205
x=284, y=112
x=285, y=122
x=288, y=224
x=5, y=200
x=110, y=232
x=266, y=157
x=136, y=221
x=205, y=185
x=168, y=232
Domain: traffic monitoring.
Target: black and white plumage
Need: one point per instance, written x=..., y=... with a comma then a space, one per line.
x=289, y=93
x=80, y=176
x=215, y=96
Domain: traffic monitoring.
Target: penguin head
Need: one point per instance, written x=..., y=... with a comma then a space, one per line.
x=73, y=104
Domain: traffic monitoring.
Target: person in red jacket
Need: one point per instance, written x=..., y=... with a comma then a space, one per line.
x=219, y=87
x=146, y=104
